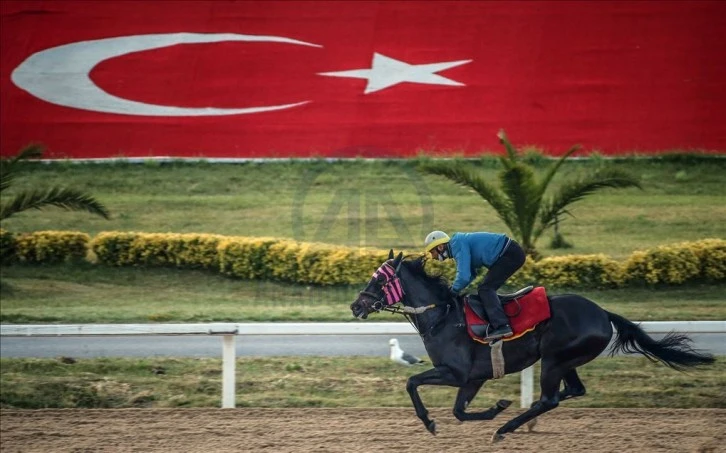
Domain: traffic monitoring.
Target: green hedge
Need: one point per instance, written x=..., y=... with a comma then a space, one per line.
x=242, y=257
x=324, y=264
x=7, y=247
x=43, y=247
x=187, y=251
x=678, y=263
x=597, y=271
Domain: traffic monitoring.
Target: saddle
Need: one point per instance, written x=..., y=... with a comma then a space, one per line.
x=525, y=309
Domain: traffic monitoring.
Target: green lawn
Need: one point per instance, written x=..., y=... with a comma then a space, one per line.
x=380, y=204
x=377, y=204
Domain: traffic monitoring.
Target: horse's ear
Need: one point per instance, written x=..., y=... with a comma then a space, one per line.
x=390, y=254
x=397, y=263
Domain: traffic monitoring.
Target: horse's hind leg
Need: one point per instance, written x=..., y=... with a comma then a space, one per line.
x=551, y=376
x=466, y=394
x=573, y=388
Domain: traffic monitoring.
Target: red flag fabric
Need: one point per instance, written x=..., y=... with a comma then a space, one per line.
x=363, y=78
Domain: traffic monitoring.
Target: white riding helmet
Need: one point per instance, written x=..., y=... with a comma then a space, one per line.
x=434, y=239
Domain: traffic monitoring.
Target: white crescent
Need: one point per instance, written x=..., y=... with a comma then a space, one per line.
x=60, y=75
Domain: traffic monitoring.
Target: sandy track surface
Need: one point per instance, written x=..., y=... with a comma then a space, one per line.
x=355, y=430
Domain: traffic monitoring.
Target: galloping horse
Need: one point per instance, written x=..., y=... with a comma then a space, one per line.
x=577, y=332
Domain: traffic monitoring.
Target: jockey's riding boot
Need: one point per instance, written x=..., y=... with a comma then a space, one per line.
x=498, y=322
x=500, y=332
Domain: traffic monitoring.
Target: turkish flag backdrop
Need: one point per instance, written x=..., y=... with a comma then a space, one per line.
x=616, y=77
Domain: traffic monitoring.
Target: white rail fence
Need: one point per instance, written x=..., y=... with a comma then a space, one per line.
x=229, y=332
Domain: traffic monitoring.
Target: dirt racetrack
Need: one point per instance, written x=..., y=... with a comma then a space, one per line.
x=355, y=430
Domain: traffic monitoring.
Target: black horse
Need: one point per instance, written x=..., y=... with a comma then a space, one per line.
x=576, y=333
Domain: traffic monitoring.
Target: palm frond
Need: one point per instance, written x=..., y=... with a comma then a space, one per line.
x=6, y=180
x=463, y=175
x=64, y=198
x=31, y=151
x=545, y=182
x=520, y=187
x=574, y=191
x=511, y=151
x=8, y=166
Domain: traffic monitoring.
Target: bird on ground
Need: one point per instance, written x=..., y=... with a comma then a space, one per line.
x=399, y=356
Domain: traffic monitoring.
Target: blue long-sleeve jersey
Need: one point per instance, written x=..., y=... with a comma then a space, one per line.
x=471, y=251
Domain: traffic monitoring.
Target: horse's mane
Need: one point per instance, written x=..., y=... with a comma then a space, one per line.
x=436, y=282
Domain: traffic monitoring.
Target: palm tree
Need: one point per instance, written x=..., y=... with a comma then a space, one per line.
x=520, y=198
x=65, y=198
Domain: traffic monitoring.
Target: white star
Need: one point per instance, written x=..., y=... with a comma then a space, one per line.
x=386, y=72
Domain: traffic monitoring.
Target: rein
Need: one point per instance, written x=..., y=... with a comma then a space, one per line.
x=410, y=312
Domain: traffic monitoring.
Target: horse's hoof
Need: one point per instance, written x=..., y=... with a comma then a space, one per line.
x=432, y=427
x=503, y=404
x=496, y=437
x=531, y=424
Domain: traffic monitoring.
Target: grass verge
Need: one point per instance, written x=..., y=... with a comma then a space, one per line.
x=326, y=382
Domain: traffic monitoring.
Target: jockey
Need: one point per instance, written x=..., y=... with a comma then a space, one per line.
x=472, y=251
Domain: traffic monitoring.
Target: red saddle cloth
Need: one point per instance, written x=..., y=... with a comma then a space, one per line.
x=524, y=314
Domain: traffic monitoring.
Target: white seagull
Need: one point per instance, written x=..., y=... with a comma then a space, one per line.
x=404, y=358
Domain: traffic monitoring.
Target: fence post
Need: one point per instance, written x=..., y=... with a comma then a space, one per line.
x=228, y=371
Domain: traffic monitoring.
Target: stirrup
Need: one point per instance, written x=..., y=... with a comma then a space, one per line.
x=496, y=336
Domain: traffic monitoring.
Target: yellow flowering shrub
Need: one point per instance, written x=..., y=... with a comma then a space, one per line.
x=668, y=264
x=197, y=250
x=347, y=266
x=711, y=255
x=325, y=264
x=446, y=269
x=113, y=248
x=151, y=250
x=526, y=275
x=245, y=257
x=282, y=260
x=297, y=262
x=7, y=247
x=598, y=271
x=188, y=251
x=51, y=246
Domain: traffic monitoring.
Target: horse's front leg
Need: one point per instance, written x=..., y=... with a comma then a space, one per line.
x=434, y=376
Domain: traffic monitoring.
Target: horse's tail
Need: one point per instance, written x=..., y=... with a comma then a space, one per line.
x=673, y=350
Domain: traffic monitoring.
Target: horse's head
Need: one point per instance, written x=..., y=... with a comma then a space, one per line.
x=383, y=289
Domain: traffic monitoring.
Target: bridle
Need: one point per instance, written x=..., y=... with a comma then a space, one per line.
x=392, y=293
x=392, y=289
